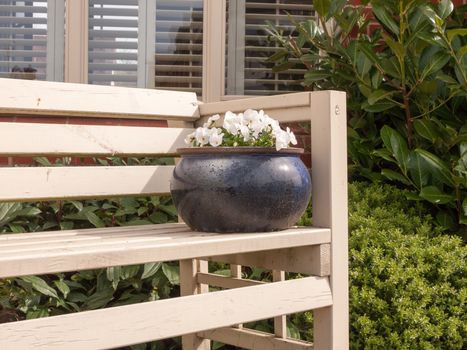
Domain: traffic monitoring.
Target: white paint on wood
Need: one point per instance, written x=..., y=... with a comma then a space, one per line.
x=139, y=323
x=224, y=281
x=44, y=183
x=82, y=100
x=162, y=245
x=189, y=285
x=280, y=322
x=329, y=155
x=19, y=139
x=254, y=340
x=309, y=260
x=301, y=99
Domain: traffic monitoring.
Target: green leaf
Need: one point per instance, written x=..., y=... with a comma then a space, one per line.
x=436, y=167
x=445, y=219
x=396, y=47
x=150, y=269
x=391, y=67
x=418, y=170
x=369, y=52
x=379, y=95
x=41, y=286
x=113, y=274
x=454, y=32
x=169, y=209
x=8, y=211
x=129, y=271
x=94, y=219
x=158, y=217
x=322, y=7
x=445, y=8
x=378, y=106
x=426, y=129
x=395, y=176
x=99, y=299
x=62, y=287
x=172, y=273
x=435, y=63
x=313, y=76
x=434, y=195
x=385, y=18
x=395, y=143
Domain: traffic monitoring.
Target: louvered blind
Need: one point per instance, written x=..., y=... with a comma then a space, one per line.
x=113, y=42
x=23, y=39
x=179, y=45
x=256, y=74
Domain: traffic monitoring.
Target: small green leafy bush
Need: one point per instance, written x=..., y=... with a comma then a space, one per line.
x=408, y=284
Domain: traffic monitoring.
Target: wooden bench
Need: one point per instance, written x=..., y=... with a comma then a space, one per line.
x=319, y=251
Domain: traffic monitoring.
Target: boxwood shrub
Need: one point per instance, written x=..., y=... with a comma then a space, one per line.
x=408, y=285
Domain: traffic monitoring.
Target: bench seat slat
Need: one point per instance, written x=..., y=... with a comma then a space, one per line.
x=88, y=140
x=107, y=247
x=138, y=323
x=46, y=183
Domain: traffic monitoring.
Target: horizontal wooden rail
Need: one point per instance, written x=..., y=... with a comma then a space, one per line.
x=88, y=140
x=46, y=183
x=138, y=323
x=224, y=281
x=25, y=97
x=48, y=252
x=254, y=340
x=314, y=260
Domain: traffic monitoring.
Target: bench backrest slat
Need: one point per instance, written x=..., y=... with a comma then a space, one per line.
x=25, y=139
x=47, y=183
x=25, y=97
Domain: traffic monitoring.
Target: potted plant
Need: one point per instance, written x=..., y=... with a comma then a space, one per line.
x=239, y=175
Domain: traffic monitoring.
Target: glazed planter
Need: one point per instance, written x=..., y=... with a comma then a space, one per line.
x=240, y=189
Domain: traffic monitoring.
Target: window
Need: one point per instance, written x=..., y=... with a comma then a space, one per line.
x=113, y=42
x=248, y=47
x=31, y=39
x=179, y=45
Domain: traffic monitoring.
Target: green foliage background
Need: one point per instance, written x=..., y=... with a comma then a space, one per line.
x=407, y=92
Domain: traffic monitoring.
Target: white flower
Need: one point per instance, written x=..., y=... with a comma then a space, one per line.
x=190, y=139
x=212, y=120
x=282, y=139
x=245, y=131
x=230, y=121
x=292, y=138
x=202, y=136
x=250, y=116
x=215, y=139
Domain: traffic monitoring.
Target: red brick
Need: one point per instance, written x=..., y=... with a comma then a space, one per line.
x=143, y=122
x=6, y=119
x=41, y=119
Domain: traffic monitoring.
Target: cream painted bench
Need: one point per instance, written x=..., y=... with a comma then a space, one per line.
x=319, y=251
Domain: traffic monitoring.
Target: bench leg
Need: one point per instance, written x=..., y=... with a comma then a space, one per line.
x=189, y=286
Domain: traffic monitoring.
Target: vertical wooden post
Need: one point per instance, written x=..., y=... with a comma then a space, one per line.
x=280, y=322
x=76, y=42
x=329, y=171
x=213, y=49
x=236, y=272
x=188, y=286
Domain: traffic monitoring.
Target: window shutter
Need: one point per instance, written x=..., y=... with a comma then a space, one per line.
x=179, y=45
x=113, y=42
x=250, y=47
x=24, y=36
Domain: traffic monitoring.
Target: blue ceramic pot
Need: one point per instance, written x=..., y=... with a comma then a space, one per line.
x=240, y=189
